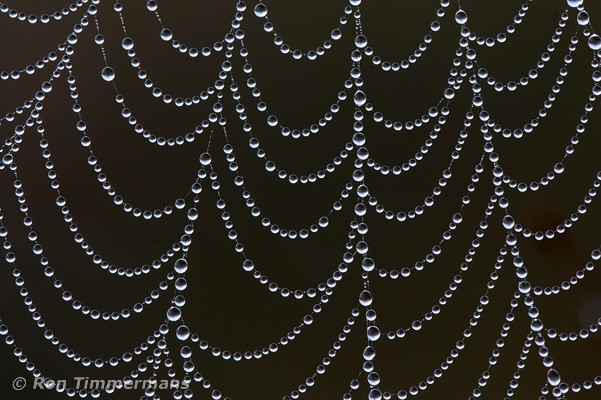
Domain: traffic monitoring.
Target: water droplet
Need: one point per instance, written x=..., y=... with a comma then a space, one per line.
x=185, y=352
x=261, y=10
x=373, y=378
x=369, y=353
x=182, y=332
x=583, y=18
x=575, y=3
x=151, y=5
x=365, y=298
x=536, y=325
x=166, y=34
x=362, y=247
x=108, y=74
x=553, y=377
x=181, y=266
x=127, y=43
x=508, y=222
x=360, y=98
x=594, y=42
x=361, y=41
x=205, y=158
x=461, y=17
x=174, y=314
x=373, y=333
x=375, y=394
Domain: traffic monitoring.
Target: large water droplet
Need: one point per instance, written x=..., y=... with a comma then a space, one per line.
x=594, y=42
x=180, y=266
x=261, y=10
x=508, y=222
x=553, y=377
x=108, y=74
x=360, y=41
x=182, y=332
x=373, y=378
x=536, y=325
x=369, y=353
x=151, y=5
x=365, y=298
x=174, y=314
x=205, y=158
x=166, y=34
x=127, y=43
x=373, y=333
x=461, y=16
x=583, y=18
x=375, y=394
x=575, y=3
x=360, y=98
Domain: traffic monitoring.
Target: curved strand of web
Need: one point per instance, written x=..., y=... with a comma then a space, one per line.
x=486, y=373
x=80, y=238
x=568, y=223
x=500, y=37
x=31, y=69
x=61, y=202
x=428, y=200
x=118, y=200
x=537, y=322
x=272, y=119
x=109, y=75
x=30, y=366
x=46, y=17
x=71, y=39
x=249, y=266
x=454, y=354
x=309, y=381
x=261, y=11
x=530, y=127
x=420, y=50
x=97, y=259
x=410, y=124
x=437, y=249
x=47, y=85
x=295, y=176
x=49, y=272
x=255, y=211
x=411, y=163
x=455, y=284
x=241, y=356
x=566, y=285
x=533, y=73
x=66, y=350
x=558, y=167
x=167, y=34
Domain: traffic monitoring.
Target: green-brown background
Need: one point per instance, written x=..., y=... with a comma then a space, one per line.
x=225, y=305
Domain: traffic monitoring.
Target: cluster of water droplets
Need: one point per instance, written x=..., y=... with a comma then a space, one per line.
x=466, y=70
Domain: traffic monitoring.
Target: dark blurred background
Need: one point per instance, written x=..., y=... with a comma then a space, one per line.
x=224, y=304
